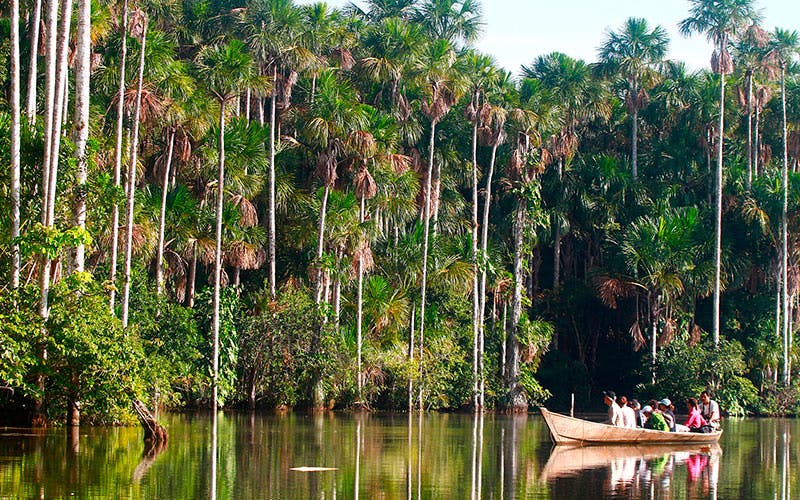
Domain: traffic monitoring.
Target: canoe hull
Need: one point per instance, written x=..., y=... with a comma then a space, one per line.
x=574, y=431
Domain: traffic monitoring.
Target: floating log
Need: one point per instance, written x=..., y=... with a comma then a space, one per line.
x=153, y=431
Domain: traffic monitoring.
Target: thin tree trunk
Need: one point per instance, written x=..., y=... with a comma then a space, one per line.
x=516, y=399
x=247, y=95
x=411, y=358
x=118, y=153
x=162, y=216
x=653, y=335
x=83, y=54
x=718, y=217
x=58, y=107
x=557, y=240
x=192, y=277
x=635, y=135
x=487, y=202
x=33, y=63
x=271, y=191
x=756, y=142
x=360, y=309
x=260, y=102
x=321, y=241
x=785, y=237
x=749, y=75
x=218, y=255
x=476, y=314
x=426, y=237
x=16, y=135
x=137, y=109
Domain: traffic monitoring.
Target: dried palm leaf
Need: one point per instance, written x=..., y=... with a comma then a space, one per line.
x=136, y=23
x=366, y=187
x=763, y=95
x=667, y=333
x=343, y=57
x=636, y=334
x=695, y=335
x=721, y=63
x=248, y=215
x=326, y=167
x=611, y=289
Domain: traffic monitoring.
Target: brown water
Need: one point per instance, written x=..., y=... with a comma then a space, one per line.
x=388, y=457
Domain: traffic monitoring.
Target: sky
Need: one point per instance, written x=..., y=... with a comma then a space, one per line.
x=516, y=31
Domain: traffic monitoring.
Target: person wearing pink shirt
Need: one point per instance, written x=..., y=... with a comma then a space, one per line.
x=695, y=420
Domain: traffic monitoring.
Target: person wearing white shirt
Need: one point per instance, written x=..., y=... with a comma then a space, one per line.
x=709, y=409
x=628, y=413
x=614, y=411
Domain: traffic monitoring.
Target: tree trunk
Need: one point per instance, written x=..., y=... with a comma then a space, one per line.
x=83, y=55
x=16, y=134
x=787, y=376
x=321, y=242
x=718, y=218
x=516, y=400
x=34, y=60
x=162, y=216
x=557, y=240
x=218, y=254
x=756, y=142
x=411, y=358
x=271, y=190
x=118, y=153
x=635, y=135
x=137, y=109
x=476, y=301
x=426, y=237
x=359, y=311
x=487, y=202
x=192, y=278
x=749, y=76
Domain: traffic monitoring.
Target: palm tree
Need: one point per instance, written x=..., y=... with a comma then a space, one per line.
x=785, y=45
x=579, y=97
x=481, y=73
x=16, y=137
x=81, y=133
x=457, y=21
x=633, y=53
x=123, y=55
x=138, y=28
x=720, y=20
x=436, y=66
x=225, y=70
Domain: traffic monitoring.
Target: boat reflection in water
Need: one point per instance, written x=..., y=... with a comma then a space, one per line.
x=634, y=471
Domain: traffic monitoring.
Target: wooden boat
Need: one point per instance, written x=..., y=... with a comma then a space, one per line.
x=575, y=431
x=567, y=460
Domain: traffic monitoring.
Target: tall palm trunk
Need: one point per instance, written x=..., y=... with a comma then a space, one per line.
x=15, y=141
x=756, y=142
x=426, y=237
x=123, y=55
x=787, y=375
x=516, y=400
x=557, y=239
x=749, y=76
x=360, y=309
x=83, y=55
x=487, y=202
x=218, y=254
x=34, y=60
x=321, y=242
x=271, y=194
x=718, y=218
x=137, y=109
x=192, y=277
x=635, y=134
x=476, y=301
x=162, y=216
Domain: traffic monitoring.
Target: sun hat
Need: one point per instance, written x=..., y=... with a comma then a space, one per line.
x=665, y=402
x=647, y=409
x=610, y=394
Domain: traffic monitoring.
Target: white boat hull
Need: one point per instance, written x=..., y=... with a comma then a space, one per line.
x=575, y=431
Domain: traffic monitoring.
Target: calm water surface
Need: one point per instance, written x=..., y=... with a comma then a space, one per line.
x=388, y=457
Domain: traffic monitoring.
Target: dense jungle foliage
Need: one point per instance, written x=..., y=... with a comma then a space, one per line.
x=260, y=204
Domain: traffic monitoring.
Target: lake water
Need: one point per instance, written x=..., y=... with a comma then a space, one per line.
x=388, y=457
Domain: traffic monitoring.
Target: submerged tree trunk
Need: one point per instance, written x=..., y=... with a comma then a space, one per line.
x=218, y=255
x=118, y=153
x=516, y=401
x=137, y=109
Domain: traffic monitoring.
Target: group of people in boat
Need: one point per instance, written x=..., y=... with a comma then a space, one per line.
x=703, y=415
